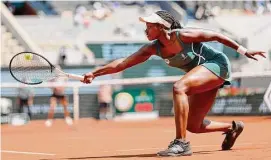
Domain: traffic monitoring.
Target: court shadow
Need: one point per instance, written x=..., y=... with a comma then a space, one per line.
x=131, y=156
x=205, y=152
x=118, y=156
x=115, y=156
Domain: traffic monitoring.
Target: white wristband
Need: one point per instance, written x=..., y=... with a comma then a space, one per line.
x=242, y=50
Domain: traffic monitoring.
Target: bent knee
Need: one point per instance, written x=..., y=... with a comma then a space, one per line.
x=180, y=87
x=195, y=128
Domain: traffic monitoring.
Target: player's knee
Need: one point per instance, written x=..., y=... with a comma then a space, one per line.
x=64, y=103
x=180, y=87
x=198, y=128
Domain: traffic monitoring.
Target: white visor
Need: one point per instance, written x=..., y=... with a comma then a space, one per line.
x=154, y=18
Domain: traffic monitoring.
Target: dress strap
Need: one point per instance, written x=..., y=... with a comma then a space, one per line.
x=179, y=40
x=158, y=48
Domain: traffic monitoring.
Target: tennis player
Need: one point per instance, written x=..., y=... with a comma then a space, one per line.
x=206, y=69
x=58, y=96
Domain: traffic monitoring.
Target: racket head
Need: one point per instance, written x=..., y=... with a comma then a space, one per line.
x=30, y=68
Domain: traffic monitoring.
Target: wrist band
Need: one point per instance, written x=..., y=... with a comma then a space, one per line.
x=242, y=50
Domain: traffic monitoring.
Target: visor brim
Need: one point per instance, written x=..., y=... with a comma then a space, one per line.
x=154, y=18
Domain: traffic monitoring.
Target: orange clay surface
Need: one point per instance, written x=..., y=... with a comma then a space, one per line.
x=111, y=140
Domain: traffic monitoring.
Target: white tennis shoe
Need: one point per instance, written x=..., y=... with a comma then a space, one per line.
x=48, y=122
x=69, y=121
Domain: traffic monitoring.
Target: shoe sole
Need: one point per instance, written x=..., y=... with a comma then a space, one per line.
x=241, y=125
x=187, y=153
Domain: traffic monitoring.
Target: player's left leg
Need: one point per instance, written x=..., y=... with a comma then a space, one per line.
x=64, y=102
x=53, y=103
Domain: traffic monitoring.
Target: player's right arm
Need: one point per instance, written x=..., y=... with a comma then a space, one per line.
x=143, y=54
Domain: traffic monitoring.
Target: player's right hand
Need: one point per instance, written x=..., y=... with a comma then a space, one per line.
x=88, y=78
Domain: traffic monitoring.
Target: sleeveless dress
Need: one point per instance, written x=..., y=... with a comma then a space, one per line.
x=194, y=54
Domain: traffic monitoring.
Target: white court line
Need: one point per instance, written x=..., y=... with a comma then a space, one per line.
x=20, y=152
x=199, y=146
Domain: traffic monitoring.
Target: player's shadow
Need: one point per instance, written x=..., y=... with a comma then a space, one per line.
x=116, y=156
x=133, y=155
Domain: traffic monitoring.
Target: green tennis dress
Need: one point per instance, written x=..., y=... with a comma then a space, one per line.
x=194, y=54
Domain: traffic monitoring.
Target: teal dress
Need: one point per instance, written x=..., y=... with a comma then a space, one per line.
x=194, y=54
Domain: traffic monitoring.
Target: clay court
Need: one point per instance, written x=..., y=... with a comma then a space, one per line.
x=110, y=140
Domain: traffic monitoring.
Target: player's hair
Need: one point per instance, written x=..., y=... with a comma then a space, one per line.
x=175, y=24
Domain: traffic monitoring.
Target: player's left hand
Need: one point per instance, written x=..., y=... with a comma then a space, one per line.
x=252, y=54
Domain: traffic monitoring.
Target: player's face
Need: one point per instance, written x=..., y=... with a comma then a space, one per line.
x=152, y=31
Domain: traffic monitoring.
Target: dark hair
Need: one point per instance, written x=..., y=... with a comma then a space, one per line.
x=175, y=24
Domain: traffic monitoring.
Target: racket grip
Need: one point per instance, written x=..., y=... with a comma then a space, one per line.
x=76, y=77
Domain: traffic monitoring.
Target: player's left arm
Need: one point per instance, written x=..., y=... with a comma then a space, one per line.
x=190, y=35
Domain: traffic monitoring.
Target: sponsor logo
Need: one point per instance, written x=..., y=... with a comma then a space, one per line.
x=264, y=108
x=37, y=109
x=124, y=101
x=232, y=105
x=144, y=107
x=267, y=97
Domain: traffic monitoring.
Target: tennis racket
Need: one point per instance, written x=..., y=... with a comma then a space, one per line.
x=32, y=68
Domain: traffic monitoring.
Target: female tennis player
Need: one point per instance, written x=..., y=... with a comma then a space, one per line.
x=206, y=71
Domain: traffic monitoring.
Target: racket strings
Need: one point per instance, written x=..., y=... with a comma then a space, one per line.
x=31, y=70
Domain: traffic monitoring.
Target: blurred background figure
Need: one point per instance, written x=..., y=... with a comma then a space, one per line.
x=58, y=96
x=100, y=12
x=104, y=99
x=80, y=16
x=203, y=11
x=6, y=109
x=25, y=99
x=62, y=56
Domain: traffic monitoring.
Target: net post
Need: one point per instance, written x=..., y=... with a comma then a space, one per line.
x=76, y=103
x=267, y=97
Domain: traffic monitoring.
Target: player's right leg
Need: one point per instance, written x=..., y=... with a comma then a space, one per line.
x=232, y=135
x=103, y=107
x=199, y=107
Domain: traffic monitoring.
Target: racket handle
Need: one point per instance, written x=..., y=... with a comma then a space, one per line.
x=76, y=77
